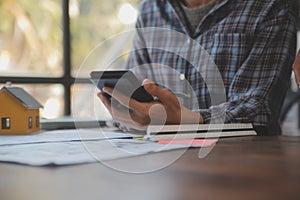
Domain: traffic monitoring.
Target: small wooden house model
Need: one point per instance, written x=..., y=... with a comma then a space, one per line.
x=19, y=111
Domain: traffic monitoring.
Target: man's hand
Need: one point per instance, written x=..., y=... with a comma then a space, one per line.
x=296, y=68
x=166, y=109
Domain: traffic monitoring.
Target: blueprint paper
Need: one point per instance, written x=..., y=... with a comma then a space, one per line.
x=67, y=147
x=67, y=135
x=68, y=153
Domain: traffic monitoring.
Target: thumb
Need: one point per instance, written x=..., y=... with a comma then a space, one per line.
x=163, y=95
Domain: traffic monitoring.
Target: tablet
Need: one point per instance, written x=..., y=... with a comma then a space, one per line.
x=124, y=81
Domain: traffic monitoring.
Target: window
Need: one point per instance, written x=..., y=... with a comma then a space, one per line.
x=37, y=121
x=30, y=48
x=5, y=121
x=29, y=122
x=32, y=55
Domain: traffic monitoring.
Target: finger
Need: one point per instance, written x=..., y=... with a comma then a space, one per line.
x=296, y=68
x=125, y=100
x=121, y=98
x=163, y=95
x=123, y=117
x=105, y=101
x=129, y=121
x=113, y=110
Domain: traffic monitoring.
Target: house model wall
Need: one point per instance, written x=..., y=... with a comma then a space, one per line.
x=19, y=112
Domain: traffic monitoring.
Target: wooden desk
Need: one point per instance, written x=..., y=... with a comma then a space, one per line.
x=237, y=168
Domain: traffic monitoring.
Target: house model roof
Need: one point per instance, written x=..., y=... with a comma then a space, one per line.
x=23, y=97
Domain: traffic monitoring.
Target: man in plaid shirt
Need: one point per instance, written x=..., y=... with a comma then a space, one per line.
x=252, y=44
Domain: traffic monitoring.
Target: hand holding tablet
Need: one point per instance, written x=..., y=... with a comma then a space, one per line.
x=136, y=105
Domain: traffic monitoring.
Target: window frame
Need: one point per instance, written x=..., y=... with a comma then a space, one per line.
x=5, y=123
x=66, y=80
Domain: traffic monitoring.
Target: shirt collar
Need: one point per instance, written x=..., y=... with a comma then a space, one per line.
x=177, y=15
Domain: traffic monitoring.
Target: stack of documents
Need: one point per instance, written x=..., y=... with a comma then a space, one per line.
x=76, y=146
x=191, y=131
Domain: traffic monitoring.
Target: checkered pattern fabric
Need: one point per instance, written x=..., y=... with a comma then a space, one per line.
x=251, y=44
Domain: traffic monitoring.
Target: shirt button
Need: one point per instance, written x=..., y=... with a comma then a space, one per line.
x=188, y=41
x=182, y=77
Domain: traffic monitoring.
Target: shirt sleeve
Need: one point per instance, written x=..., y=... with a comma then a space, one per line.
x=258, y=87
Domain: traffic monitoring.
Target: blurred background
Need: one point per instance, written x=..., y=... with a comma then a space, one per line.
x=42, y=43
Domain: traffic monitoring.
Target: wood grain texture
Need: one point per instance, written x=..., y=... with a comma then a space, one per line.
x=237, y=168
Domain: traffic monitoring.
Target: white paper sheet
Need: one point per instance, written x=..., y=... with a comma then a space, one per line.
x=66, y=147
x=67, y=153
x=67, y=135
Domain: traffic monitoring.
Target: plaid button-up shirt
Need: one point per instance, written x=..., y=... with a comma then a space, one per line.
x=237, y=62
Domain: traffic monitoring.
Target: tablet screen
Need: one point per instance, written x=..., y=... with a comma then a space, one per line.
x=124, y=81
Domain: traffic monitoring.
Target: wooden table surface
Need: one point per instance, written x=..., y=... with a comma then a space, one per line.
x=237, y=168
